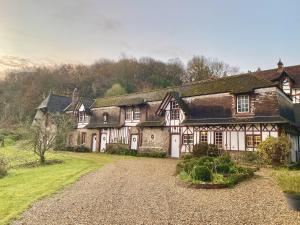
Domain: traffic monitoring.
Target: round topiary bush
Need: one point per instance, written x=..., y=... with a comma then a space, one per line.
x=223, y=168
x=201, y=173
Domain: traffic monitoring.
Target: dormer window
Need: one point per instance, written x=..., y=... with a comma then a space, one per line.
x=105, y=117
x=286, y=87
x=174, y=110
x=128, y=114
x=242, y=103
x=136, y=113
x=132, y=114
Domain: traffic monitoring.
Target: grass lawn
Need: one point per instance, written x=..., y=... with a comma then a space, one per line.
x=24, y=185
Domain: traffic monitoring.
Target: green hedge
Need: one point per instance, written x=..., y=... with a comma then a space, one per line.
x=80, y=148
x=120, y=149
x=153, y=154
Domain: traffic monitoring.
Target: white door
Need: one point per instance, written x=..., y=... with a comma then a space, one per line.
x=94, y=145
x=134, y=142
x=103, y=142
x=175, y=144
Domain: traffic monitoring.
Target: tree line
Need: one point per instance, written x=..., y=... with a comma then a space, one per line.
x=22, y=91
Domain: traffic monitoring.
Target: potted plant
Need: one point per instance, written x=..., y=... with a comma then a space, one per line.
x=290, y=184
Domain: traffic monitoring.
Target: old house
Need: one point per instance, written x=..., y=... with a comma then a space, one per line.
x=235, y=113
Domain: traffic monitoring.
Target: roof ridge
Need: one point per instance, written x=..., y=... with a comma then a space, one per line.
x=171, y=88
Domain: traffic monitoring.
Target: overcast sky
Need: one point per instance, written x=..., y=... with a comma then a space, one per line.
x=247, y=34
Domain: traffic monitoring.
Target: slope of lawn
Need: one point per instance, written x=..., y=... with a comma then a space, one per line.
x=27, y=182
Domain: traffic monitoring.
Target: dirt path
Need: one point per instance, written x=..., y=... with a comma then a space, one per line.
x=144, y=191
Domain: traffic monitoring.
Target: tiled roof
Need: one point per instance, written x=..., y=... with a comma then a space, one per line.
x=233, y=84
x=55, y=103
x=273, y=74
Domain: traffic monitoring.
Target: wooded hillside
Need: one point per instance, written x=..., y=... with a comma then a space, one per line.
x=22, y=91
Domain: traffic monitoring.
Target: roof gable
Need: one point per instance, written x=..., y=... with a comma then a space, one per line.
x=172, y=95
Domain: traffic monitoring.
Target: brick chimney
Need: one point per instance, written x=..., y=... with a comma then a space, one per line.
x=280, y=66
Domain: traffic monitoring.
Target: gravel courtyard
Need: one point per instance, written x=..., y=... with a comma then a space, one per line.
x=144, y=191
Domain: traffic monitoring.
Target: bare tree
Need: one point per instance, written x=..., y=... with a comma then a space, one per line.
x=40, y=139
x=202, y=68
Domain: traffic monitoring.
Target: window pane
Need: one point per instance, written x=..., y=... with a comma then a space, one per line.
x=136, y=113
x=243, y=103
x=219, y=139
x=203, y=137
x=128, y=114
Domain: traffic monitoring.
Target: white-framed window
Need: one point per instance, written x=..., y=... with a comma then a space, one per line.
x=242, y=103
x=81, y=116
x=188, y=139
x=219, y=139
x=174, y=110
x=286, y=86
x=128, y=114
x=203, y=136
x=136, y=113
x=174, y=105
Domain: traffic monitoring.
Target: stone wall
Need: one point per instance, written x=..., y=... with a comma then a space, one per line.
x=155, y=139
x=76, y=135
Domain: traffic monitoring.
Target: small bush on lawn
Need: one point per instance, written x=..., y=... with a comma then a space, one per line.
x=153, y=154
x=3, y=166
x=202, y=173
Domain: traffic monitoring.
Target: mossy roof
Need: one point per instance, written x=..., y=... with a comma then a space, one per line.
x=233, y=84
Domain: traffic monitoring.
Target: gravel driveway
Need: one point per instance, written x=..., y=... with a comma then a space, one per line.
x=143, y=191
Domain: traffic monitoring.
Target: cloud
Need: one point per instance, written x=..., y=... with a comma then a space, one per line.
x=87, y=14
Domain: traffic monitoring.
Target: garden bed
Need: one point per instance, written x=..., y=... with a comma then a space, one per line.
x=211, y=172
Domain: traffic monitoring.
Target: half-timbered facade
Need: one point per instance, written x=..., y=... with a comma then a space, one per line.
x=235, y=113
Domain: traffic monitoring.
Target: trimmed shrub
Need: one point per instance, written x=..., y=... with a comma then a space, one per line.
x=81, y=148
x=3, y=167
x=275, y=151
x=153, y=154
x=200, y=149
x=201, y=173
x=223, y=168
x=120, y=149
